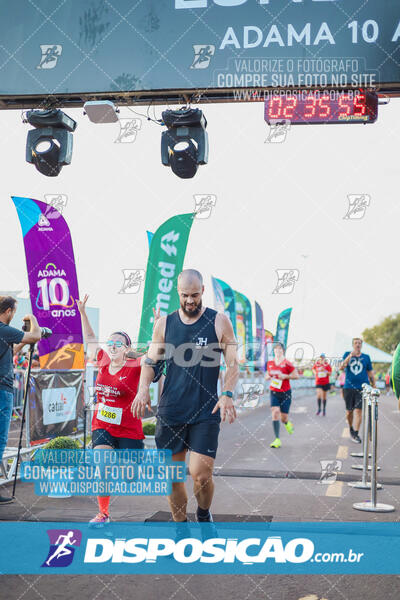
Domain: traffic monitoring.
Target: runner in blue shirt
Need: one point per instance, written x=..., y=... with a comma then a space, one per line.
x=358, y=369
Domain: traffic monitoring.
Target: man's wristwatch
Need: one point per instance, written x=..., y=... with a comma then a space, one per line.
x=227, y=393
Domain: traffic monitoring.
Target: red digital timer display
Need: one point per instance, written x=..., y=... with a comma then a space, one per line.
x=304, y=108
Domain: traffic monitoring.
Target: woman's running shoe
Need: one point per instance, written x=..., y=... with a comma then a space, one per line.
x=99, y=521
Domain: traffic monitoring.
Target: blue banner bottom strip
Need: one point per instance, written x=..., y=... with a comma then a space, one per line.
x=193, y=548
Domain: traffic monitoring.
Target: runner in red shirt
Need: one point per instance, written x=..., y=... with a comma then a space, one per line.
x=387, y=383
x=322, y=370
x=279, y=372
x=113, y=425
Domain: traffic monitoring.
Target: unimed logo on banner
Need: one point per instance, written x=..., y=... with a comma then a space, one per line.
x=59, y=405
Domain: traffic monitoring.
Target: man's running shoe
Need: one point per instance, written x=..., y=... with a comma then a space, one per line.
x=289, y=427
x=182, y=531
x=276, y=443
x=208, y=529
x=324, y=414
x=317, y=413
x=207, y=519
x=100, y=520
x=356, y=438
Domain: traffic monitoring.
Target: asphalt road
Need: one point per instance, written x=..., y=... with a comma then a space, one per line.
x=251, y=480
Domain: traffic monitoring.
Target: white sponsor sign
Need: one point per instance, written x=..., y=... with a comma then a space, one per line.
x=59, y=405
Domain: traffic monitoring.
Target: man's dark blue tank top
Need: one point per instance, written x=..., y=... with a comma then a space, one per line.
x=190, y=387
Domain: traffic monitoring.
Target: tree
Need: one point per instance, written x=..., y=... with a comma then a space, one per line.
x=385, y=335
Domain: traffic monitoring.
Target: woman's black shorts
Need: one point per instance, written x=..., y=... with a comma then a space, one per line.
x=102, y=437
x=326, y=387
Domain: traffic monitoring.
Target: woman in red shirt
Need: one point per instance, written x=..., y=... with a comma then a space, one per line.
x=322, y=370
x=280, y=371
x=113, y=425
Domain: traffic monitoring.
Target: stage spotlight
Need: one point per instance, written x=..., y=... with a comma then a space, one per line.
x=49, y=145
x=184, y=146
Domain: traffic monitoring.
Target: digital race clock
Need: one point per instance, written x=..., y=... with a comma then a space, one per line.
x=304, y=107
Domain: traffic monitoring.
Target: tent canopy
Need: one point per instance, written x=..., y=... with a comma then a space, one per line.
x=343, y=343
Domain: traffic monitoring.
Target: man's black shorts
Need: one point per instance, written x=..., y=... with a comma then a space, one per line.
x=326, y=387
x=101, y=437
x=199, y=437
x=352, y=398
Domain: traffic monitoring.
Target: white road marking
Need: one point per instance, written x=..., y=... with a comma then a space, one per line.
x=343, y=452
x=298, y=409
x=335, y=489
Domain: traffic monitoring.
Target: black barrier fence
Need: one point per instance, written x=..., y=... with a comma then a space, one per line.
x=19, y=378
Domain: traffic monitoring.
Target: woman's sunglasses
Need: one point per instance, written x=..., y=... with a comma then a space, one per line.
x=117, y=344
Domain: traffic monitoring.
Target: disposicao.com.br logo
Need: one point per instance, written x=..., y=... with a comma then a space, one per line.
x=211, y=548
x=191, y=550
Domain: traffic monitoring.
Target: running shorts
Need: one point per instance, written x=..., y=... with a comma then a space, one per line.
x=352, y=398
x=281, y=399
x=103, y=437
x=199, y=437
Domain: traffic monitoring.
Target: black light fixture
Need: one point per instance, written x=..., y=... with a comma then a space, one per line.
x=184, y=146
x=49, y=145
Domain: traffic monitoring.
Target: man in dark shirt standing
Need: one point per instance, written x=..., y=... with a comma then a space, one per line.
x=8, y=337
x=190, y=411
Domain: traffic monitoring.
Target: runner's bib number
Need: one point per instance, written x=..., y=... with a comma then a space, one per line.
x=109, y=414
x=276, y=383
x=322, y=374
